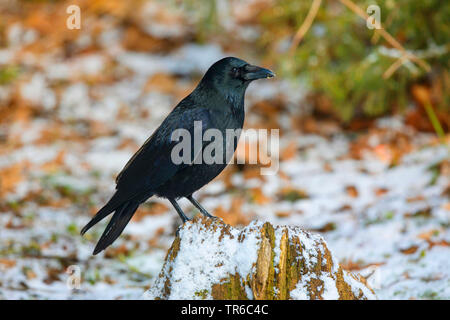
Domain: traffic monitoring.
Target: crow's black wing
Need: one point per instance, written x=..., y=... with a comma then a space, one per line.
x=152, y=164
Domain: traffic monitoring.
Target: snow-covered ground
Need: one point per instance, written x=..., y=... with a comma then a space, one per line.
x=392, y=226
x=381, y=198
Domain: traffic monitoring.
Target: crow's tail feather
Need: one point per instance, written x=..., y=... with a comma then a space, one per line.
x=116, y=225
x=108, y=208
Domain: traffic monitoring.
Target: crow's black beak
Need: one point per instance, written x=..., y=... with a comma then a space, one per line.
x=255, y=72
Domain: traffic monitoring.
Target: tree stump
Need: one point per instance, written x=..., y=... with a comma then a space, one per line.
x=212, y=260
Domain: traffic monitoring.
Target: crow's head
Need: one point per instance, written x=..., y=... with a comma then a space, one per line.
x=233, y=73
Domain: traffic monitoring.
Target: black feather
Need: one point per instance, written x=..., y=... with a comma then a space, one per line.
x=116, y=225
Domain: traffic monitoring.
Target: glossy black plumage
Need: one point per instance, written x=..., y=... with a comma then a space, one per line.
x=218, y=102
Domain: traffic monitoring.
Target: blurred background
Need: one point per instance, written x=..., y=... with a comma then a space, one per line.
x=363, y=114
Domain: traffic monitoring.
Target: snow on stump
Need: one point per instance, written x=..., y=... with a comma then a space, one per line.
x=212, y=260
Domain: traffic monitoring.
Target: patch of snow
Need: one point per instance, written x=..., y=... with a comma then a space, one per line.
x=75, y=102
x=38, y=92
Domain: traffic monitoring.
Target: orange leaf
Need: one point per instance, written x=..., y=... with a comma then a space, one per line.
x=8, y=263
x=11, y=176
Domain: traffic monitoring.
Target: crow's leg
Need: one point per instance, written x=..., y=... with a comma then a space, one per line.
x=199, y=207
x=179, y=211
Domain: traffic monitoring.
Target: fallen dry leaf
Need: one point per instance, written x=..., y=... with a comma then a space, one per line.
x=259, y=197
x=234, y=215
x=11, y=176
x=409, y=250
x=8, y=263
x=352, y=191
x=150, y=209
x=282, y=214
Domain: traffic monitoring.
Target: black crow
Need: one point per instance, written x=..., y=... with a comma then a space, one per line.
x=216, y=103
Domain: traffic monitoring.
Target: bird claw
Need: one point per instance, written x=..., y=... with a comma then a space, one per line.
x=207, y=214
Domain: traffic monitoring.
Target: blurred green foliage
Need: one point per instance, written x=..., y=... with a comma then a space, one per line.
x=8, y=74
x=342, y=60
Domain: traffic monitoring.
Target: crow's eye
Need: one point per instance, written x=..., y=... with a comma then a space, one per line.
x=235, y=72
